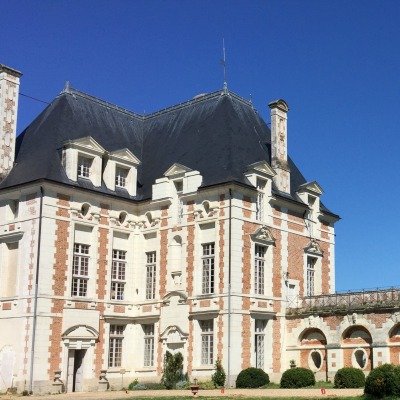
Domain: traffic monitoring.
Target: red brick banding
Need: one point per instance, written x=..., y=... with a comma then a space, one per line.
x=60, y=271
x=101, y=283
x=163, y=251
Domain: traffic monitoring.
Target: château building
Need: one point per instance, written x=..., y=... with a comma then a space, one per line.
x=189, y=229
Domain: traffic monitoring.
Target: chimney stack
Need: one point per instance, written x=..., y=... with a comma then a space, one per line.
x=9, y=90
x=279, y=157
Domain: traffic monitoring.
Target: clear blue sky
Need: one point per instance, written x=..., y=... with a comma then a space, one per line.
x=337, y=64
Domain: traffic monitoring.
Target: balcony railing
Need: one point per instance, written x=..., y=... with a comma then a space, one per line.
x=343, y=302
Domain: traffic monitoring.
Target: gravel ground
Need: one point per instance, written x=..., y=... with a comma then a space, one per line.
x=232, y=393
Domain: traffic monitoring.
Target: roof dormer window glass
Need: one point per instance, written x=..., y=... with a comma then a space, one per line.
x=84, y=167
x=178, y=186
x=121, y=175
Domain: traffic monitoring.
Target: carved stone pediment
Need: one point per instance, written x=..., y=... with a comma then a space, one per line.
x=176, y=169
x=313, y=248
x=263, y=235
x=261, y=168
x=178, y=296
x=313, y=187
x=174, y=335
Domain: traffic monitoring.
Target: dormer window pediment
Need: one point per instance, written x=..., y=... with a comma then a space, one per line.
x=82, y=158
x=121, y=171
x=178, y=180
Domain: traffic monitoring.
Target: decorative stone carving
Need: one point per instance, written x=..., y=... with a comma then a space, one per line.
x=314, y=248
x=263, y=235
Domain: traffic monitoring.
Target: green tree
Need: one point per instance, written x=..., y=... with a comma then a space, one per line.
x=173, y=370
x=219, y=375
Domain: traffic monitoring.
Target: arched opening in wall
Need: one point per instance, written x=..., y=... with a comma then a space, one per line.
x=122, y=217
x=359, y=359
x=394, y=345
x=357, y=335
x=85, y=209
x=175, y=263
x=315, y=361
x=312, y=343
x=206, y=206
x=149, y=218
x=356, y=345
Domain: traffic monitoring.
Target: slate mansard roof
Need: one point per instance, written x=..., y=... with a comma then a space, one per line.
x=219, y=134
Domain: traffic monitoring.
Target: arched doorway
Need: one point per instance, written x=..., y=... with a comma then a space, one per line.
x=79, y=341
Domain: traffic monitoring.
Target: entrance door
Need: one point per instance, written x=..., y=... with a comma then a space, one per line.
x=75, y=370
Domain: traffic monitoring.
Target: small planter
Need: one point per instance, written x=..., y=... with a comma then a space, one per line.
x=194, y=387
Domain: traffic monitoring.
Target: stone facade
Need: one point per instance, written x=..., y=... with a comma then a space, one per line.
x=95, y=282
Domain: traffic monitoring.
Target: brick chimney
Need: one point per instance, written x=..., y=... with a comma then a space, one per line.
x=9, y=90
x=279, y=157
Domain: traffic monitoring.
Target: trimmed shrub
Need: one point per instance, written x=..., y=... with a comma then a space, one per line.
x=383, y=381
x=206, y=385
x=184, y=384
x=297, y=378
x=132, y=384
x=173, y=370
x=346, y=378
x=219, y=375
x=252, y=378
x=137, y=386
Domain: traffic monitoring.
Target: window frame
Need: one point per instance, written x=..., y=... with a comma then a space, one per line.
x=84, y=171
x=148, y=345
x=115, y=345
x=259, y=269
x=121, y=180
x=118, y=275
x=259, y=341
x=208, y=268
x=207, y=341
x=310, y=275
x=80, y=281
x=151, y=275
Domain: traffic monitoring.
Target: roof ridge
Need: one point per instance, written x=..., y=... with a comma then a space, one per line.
x=68, y=89
x=72, y=91
x=198, y=99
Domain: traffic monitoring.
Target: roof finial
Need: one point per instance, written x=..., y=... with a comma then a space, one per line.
x=223, y=62
x=67, y=87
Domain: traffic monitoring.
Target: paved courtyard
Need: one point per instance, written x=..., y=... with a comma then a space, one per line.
x=233, y=393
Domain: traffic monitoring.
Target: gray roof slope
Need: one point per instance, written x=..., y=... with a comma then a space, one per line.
x=218, y=134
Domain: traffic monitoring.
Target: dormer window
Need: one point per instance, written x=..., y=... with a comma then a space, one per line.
x=82, y=158
x=121, y=175
x=84, y=167
x=121, y=171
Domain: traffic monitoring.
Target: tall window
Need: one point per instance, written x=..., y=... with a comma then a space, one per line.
x=260, y=200
x=80, y=270
x=148, y=331
x=310, y=275
x=151, y=275
x=180, y=211
x=208, y=268
x=84, y=165
x=259, y=261
x=120, y=177
x=259, y=342
x=207, y=342
x=118, y=274
x=115, y=346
